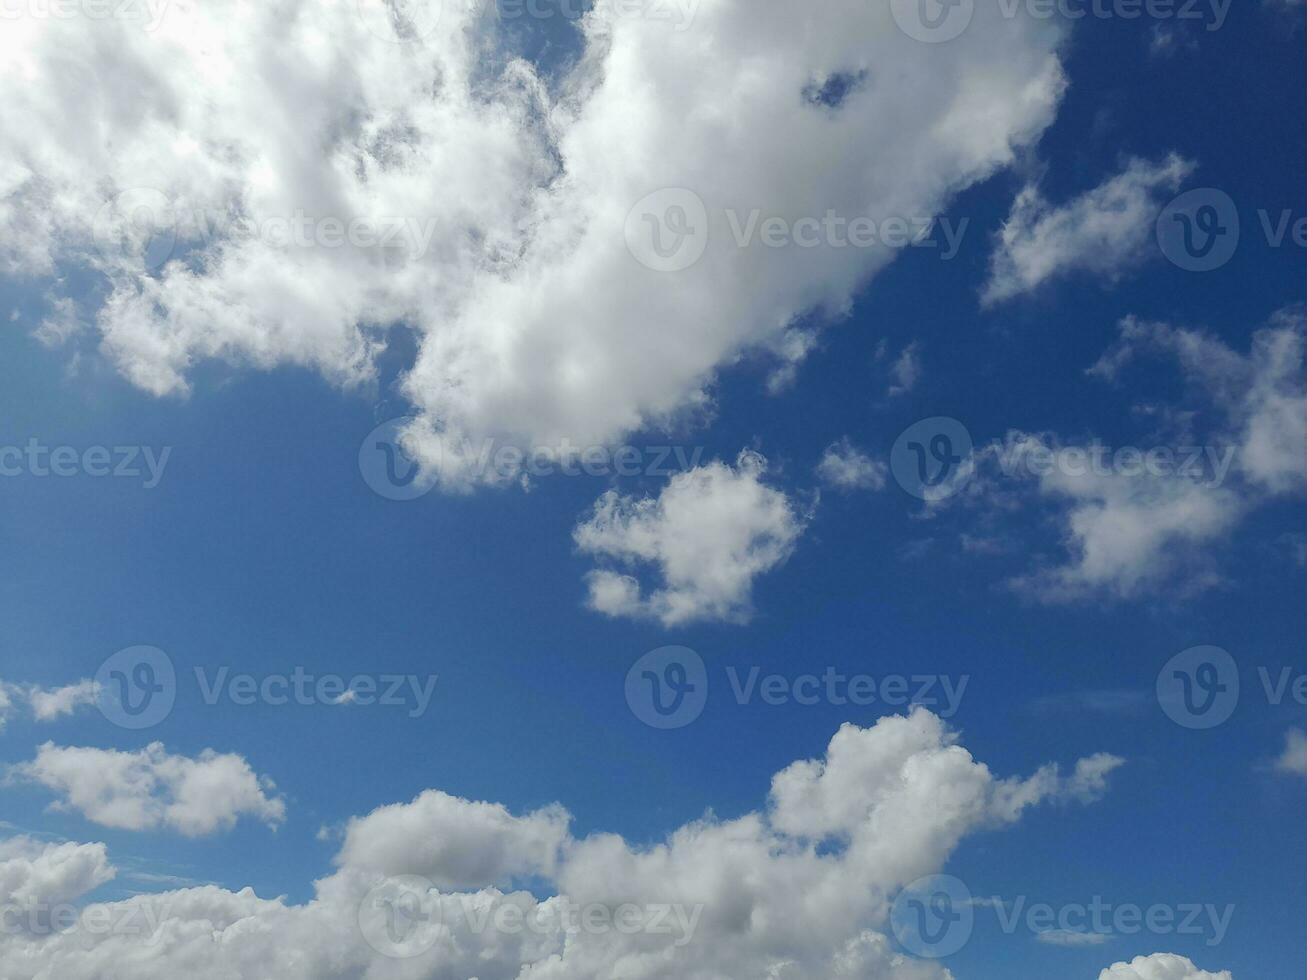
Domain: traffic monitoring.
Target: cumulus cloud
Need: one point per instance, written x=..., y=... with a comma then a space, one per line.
x=846, y=467
x=799, y=889
x=1127, y=533
x=1160, y=966
x=46, y=704
x=261, y=136
x=34, y=873
x=1103, y=232
x=152, y=789
x=1294, y=759
x=1136, y=519
x=708, y=534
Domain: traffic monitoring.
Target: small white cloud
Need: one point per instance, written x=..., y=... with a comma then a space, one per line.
x=906, y=370
x=846, y=467
x=152, y=789
x=48, y=705
x=709, y=534
x=1294, y=759
x=1103, y=232
x=1066, y=937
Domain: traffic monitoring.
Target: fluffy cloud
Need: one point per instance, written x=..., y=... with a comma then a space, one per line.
x=1294, y=759
x=1136, y=519
x=1126, y=533
x=33, y=873
x=800, y=889
x=1103, y=231
x=152, y=789
x=846, y=467
x=261, y=134
x=46, y=704
x=709, y=534
x=1160, y=966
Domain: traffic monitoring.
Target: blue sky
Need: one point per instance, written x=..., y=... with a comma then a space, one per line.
x=263, y=549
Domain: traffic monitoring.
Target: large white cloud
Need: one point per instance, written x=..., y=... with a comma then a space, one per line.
x=800, y=889
x=709, y=534
x=152, y=788
x=512, y=195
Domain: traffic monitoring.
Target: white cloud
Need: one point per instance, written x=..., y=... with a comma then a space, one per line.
x=1104, y=231
x=800, y=889
x=526, y=300
x=152, y=789
x=846, y=467
x=33, y=873
x=1066, y=937
x=709, y=534
x=1160, y=966
x=48, y=705
x=457, y=844
x=906, y=370
x=1294, y=759
x=1130, y=527
x=1125, y=533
